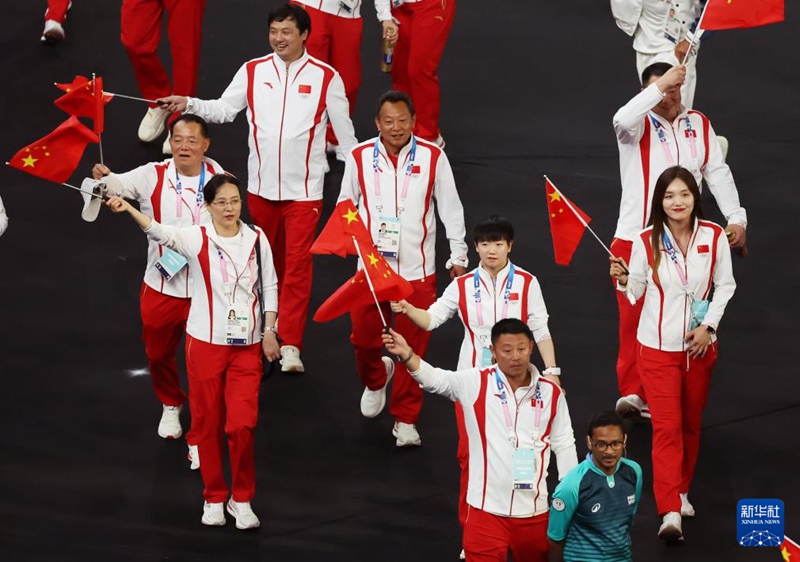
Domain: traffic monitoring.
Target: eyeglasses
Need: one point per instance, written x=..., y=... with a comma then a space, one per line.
x=223, y=204
x=602, y=445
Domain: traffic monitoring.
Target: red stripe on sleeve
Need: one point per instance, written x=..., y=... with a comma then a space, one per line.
x=205, y=268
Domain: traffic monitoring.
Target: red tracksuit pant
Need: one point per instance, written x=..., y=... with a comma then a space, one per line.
x=463, y=462
x=224, y=381
x=677, y=392
x=627, y=371
x=141, y=34
x=57, y=10
x=405, y=401
x=290, y=227
x=337, y=41
x=424, y=28
x=488, y=538
x=163, y=326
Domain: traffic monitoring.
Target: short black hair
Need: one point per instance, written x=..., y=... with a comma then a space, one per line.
x=510, y=326
x=217, y=181
x=394, y=96
x=656, y=69
x=291, y=12
x=493, y=229
x=604, y=419
x=189, y=118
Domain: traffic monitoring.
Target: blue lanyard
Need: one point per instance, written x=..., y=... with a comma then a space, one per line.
x=506, y=294
x=409, y=167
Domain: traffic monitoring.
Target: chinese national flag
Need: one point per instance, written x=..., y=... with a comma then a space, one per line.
x=337, y=236
x=388, y=285
x=55, y=156
x=80, y=100
x=790, y=550
x=730, y=14
x=565, y=226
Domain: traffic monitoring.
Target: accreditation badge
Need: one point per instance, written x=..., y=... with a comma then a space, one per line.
x=672, y=25
x=170, y=264
x=238, y=324
x=485, y=353
x=524, y=467
x=388, y=241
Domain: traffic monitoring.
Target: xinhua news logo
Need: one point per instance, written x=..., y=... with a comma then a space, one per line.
x=759, y=522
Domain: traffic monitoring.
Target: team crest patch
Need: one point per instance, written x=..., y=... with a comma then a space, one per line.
x=631, y=499
x=304, y=90
x=558, y=504
x=596, y=508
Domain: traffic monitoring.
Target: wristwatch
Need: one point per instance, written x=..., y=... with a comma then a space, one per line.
x=710, y=329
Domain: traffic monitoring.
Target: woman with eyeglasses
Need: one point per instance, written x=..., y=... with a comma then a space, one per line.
x=231, y=322
x=675, y=263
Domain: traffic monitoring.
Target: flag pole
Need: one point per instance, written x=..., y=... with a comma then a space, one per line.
x=369, y=282
x=99, y=135
x=130, y=97
x=697, y=32
x=583, y=222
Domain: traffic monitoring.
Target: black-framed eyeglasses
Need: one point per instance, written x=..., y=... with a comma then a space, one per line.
x=602, y=445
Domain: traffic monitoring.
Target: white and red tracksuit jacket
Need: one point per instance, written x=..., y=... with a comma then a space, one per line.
x=525, y=302
x=491, y=481
x=333, y=7
x=666, y=312
x=287, y=110
x=206, y=252
x=645, y=20
x=643, y=157
x=154, y=187
x=431, y=179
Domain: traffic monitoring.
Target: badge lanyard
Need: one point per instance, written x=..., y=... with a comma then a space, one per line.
x=673, y=255
x=223, y=265
x=506, y=295
x=409, y=168
x=662, y=137
x=198, y=199
x=692, y=139
x=538, y=406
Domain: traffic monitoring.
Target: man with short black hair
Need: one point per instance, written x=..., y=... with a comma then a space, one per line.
x=289, y=97
x=594, y=505
x=514, y=418
x=395, y=179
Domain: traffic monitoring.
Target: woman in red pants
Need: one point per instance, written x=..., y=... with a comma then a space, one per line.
x=675, y=262
x=231, y=321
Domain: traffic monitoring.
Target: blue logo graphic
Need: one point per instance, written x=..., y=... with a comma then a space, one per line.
x=759, y=522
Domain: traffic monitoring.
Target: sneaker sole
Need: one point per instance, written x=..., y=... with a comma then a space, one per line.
x=399, y=443
x=294, y=369
x=214, y=523
x=171, y=437
x=671, y=534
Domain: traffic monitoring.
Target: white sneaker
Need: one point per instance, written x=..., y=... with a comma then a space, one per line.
x=170, y=425
x=723, y=146
x=166, y=148
x=373, y=401
x=194, y=457
x=213, y=514
x=670, y=529
x=153, y=124
x=632, y=406
x=407, y=435
x=440, y=142
x=290, y=360
x=687, y=509
x=463, y=555
x=53, y=32
x=245, y=518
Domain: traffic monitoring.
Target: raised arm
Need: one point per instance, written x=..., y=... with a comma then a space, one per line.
x=222, y=110
x=186, y=241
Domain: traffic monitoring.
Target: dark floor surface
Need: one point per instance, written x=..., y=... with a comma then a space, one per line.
x=528, y=88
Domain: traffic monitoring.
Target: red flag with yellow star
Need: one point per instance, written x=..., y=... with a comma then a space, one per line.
x=85, y=98
x=730, y=14
x=337, y=236
x=565, y=224
x=388, y=286
x=790, y=550
x=55, y=156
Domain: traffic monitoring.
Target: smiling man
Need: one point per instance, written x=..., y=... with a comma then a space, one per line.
x=290, y=97
x=594, y=505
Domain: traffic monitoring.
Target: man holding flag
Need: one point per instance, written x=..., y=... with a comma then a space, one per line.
x=394, y=179
x=655, y=131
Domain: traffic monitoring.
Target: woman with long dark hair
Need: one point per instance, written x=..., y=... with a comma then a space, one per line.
x=675, y=263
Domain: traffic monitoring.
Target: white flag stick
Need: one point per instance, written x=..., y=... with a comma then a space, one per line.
x=580, y=218
x=369, y=282
x=129, y=97
x=93, y=194
x=697, y=33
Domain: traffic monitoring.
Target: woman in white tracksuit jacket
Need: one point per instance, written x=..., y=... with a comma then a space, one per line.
x=675, y=263
x=226, y=333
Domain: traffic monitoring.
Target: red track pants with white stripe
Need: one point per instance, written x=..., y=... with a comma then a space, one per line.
x=141, y=34
x=405, y=401
x=627, y=371
x=290, y=227
x=677, y=392
x=488, y=538
x=57, y=10
x=224, y=381
x=423, y=31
